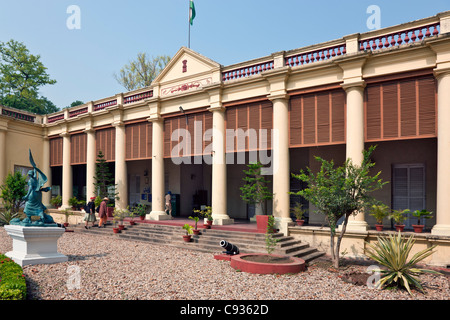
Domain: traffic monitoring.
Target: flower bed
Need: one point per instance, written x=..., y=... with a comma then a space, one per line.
x=12, y=280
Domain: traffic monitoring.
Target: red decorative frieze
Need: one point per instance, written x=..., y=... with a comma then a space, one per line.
x=316, y=55
x=247, y=71
x=55, y=118
x=103, y=105
x=398, y=38
x=186, y=86
x=18, y=115
x=74, y=113
x=138, y=97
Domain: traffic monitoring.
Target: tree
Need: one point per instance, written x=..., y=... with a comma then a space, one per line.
x=140, y=73
x=103, y=178
x=255, y=190
x=13, y=190
x=75, y=103
x=340, y=192
x=21, y=76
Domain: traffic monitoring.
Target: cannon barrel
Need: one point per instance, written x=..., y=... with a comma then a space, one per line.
x=229, y=247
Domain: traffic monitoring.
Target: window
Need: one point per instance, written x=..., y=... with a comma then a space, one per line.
x=408, y=189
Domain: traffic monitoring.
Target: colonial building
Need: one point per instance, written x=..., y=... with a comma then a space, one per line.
x=197, y=126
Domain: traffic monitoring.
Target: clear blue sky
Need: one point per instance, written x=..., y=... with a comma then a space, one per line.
x=112, y=32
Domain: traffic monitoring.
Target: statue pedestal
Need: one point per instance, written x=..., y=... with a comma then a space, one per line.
x=35, y=245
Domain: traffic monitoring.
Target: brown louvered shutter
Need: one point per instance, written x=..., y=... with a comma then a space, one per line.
x=295, y=121
x=128, y=142
x=106, y=142
x=56, y=145
x=207, y=126
x=323, y=117
x=167, y=133
x=78, y=148
x=309, y=119
x=267, y=123
x=390, y=110
x=338, y=101
x=231, y=123
x=149, y=134
x=138, y=141
x=373, y=112
x=427, y=105
x=408, y=108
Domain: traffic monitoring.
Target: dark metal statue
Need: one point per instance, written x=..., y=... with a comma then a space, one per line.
x=33, y=204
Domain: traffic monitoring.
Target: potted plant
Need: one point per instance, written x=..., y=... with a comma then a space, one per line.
x=56, y=201
x=207, y=214
x=67, y=213
x=187, y=236
x=131, y=215
x=399, y=217
x=116, y=229
x=140, y=210
x=419, y=214
x=255, y=191
x=119, y=215
x=73, y=202
x=379, y=212
x=299, y=213
x=196, y=231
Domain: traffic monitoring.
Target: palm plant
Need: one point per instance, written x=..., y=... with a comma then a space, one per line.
x=392, y=253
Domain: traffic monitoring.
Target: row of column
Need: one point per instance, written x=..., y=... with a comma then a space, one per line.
x=281, y=174
x=120, y=167
x=355, y=146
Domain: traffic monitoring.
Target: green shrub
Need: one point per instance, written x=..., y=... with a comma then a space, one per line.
x=393, y=253
x=12, y=280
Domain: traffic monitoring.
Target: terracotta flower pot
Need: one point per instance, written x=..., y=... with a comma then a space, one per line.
x=121, y=227
x=132, y=223
x=187, y=238
x=116, y=230
x=300, y=222
x=196, y=232
x=399, y=227
x=418, y=228
x=66, y=224
x=142, y=217
x=379, y=227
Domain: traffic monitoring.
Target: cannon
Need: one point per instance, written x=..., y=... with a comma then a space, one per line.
x=229, y=247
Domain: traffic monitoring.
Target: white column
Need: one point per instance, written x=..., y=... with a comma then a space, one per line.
x=121, y=168
x=355, y=140
x=67, y=184
x=46, y=196
x=91, y=158
x=219, y=169
x=158, y=192
x=281, y=163
x=442, y=226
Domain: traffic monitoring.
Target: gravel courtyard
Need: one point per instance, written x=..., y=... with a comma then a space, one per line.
x=127, y=270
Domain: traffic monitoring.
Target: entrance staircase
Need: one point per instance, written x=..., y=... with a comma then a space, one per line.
x=208, y=240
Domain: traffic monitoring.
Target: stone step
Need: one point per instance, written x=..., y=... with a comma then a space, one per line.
x=209, y=239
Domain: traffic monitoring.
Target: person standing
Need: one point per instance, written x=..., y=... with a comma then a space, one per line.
x=169, y=203
x=90, y=213
x=102, y=213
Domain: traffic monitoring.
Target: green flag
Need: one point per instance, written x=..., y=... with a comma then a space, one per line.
x=191, y=12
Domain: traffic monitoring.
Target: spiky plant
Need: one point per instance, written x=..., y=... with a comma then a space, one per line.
x=392, y=252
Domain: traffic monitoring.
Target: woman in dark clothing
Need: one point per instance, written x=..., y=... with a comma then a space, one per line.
x=90, y=213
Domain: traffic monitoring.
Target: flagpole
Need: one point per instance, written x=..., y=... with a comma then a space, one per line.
x=189, y=23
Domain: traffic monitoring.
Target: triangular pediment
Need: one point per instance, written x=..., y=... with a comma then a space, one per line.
x=186, y=64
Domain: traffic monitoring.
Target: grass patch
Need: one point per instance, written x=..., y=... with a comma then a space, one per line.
x=12, y=280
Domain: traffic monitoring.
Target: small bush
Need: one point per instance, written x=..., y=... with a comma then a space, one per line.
x=12, y=280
